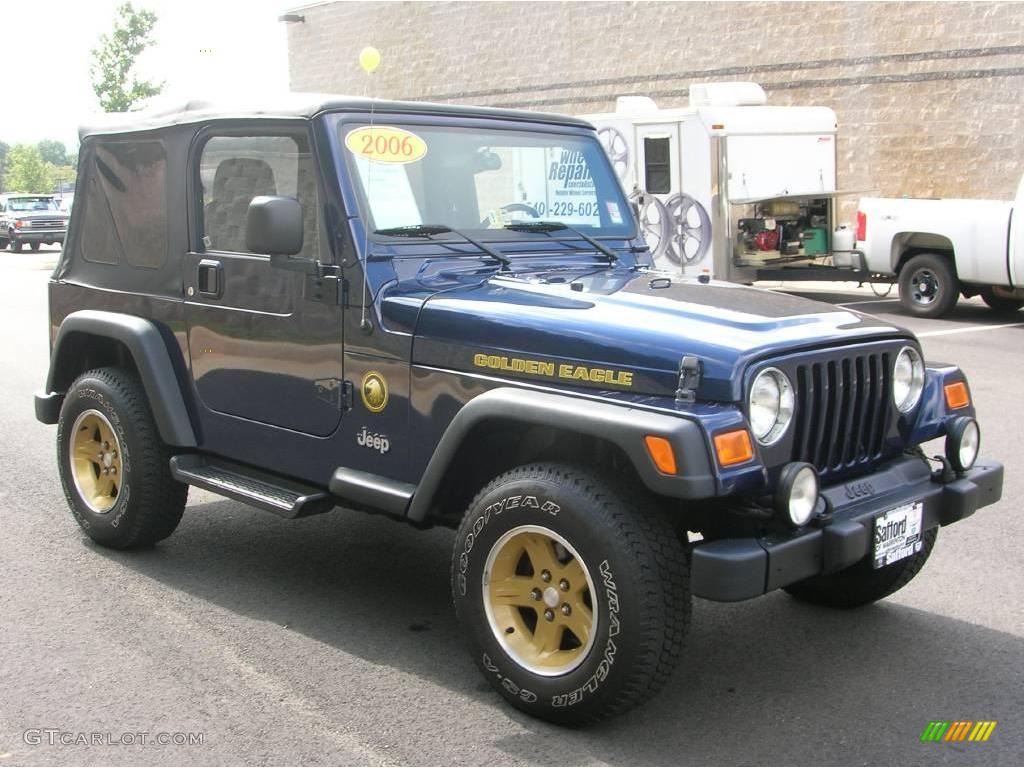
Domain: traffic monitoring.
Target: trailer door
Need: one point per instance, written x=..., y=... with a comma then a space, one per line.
x=762, y=167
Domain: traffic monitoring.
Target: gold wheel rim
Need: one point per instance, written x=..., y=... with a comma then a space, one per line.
x=96, y=461
x=539, y=600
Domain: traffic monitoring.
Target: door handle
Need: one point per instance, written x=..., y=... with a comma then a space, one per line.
x=210, y=279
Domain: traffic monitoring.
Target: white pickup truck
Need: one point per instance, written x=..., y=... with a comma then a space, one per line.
x=940, y=249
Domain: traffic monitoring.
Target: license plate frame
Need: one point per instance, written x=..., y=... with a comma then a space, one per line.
x=896, y=534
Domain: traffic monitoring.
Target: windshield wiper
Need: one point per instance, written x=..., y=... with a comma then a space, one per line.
x=428, y=230
x=547, y=227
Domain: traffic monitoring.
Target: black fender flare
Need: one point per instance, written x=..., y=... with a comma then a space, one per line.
x=149, y=351
x=622, y=425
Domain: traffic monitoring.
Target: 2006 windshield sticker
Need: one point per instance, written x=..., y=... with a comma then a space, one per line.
x=386, y=144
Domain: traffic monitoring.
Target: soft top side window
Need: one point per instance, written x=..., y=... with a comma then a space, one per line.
x=234, y=169
x=126, y=204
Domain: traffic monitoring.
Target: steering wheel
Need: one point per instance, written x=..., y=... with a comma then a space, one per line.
x=689, y=230
x=513, y=208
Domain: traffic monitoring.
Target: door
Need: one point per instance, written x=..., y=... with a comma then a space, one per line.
x=265, y=343
x=658, y=172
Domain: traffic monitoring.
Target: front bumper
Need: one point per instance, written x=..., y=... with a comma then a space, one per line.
x=738, y=569
x=41, y=236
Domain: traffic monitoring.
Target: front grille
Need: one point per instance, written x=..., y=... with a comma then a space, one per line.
x=842, y=410
x=48, y=223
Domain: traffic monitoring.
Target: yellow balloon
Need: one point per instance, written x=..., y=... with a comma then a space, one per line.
x=369, y=59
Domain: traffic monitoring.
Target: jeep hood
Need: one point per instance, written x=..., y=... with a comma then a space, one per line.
x=626, y=331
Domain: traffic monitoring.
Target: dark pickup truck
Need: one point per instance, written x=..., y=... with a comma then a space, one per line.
x=32, y=219
x=446, y=315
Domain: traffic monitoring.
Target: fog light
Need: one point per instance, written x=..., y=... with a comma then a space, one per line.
x=796, y=495
x=963, y=439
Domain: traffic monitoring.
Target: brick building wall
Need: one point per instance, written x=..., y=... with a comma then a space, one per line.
x=929, y=95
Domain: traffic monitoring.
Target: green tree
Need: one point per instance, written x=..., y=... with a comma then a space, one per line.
x=59, y=174
x=53, y=152
x=113, y=81
x=26, y=171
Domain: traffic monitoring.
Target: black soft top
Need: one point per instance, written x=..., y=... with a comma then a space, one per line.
x=303, y=105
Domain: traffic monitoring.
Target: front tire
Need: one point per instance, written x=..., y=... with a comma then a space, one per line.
x=114, y=468
x=862, y=583
x=928, y=285
x=573, y=598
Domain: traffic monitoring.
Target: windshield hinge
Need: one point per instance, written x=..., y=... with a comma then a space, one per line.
x=689, y=379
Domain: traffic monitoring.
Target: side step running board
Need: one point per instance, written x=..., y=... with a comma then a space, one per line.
x=281, y=496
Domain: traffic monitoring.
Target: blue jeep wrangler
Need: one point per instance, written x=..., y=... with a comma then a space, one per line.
x=446, y=315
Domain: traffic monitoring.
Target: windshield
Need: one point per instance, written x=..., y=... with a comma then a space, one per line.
x=32, y=204
x=482, y=180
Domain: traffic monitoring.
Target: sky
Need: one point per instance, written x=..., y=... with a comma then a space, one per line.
x=204, y=49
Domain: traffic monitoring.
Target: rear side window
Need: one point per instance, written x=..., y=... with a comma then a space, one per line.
x=235, y=169
x=125, y=216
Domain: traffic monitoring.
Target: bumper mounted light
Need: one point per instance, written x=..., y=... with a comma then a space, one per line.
x=963, y=439
x=796, y=495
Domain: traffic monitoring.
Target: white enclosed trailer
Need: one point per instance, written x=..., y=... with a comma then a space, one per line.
x=732, y=185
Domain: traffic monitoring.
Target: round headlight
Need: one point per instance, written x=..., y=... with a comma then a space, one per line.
x=771, y=405
x=963, y=439
x=907, y=379
x=796, y=495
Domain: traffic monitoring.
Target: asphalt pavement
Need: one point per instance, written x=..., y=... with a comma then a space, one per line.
x=332, y=640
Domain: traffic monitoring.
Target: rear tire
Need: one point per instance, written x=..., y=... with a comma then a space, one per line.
x=114, y=468
x=573, y=595
x=928, y=285
x=998, y=303
x=862, y=583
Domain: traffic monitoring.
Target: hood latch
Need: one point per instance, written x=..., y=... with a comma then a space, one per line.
x=689, y=379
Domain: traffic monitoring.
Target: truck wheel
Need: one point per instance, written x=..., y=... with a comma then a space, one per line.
x=928, y=285
x=34, y=246
x=16, y=246
x=573, y=596
x=998, y=303
x=862, y=583
x=114, y=468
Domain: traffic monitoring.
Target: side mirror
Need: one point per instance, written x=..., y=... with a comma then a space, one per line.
x=273, y=225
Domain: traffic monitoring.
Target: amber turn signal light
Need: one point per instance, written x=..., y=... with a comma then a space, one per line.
x=662, y=455
x=957, y=395
x=733, y=447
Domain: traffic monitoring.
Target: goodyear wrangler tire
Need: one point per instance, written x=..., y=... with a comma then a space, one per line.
x=861, y=583
x=573, y=598
x=114, y=468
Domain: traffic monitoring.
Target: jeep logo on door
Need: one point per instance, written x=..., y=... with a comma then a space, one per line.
x=374, y=391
